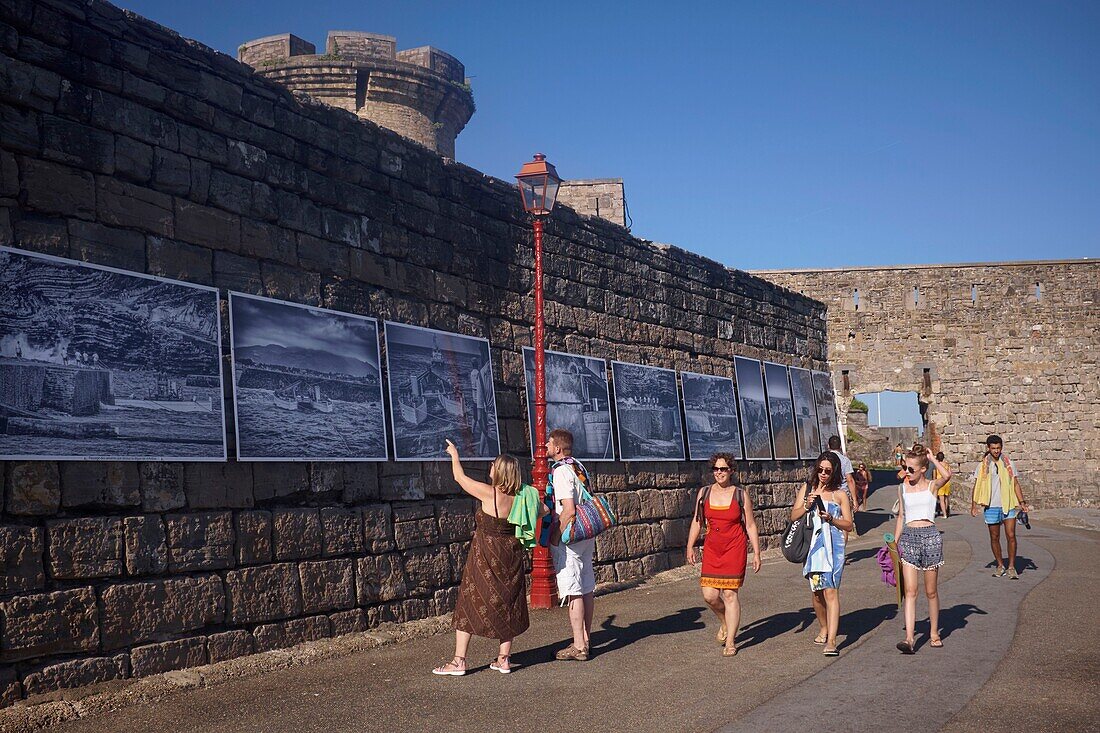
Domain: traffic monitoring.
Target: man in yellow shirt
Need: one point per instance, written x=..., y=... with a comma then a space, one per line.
x=997, y=491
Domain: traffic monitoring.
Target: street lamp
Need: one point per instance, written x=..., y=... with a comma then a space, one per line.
x=538, y=186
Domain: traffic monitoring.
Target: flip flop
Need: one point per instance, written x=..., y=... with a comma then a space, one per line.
x=819, y=641
x=729, y=651
x=831, y=652
x=936, y=643
x=906, y=648
x=721, y=635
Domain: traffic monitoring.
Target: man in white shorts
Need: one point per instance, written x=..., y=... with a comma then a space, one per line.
x=576, y=578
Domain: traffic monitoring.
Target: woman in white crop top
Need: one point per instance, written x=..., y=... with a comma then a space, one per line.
x=919, y=542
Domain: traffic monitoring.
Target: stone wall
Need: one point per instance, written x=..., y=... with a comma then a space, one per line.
x=1009, y=348
x=129, y=146
x=602, y=197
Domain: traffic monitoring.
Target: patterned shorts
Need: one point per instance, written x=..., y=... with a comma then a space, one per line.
x=921, y=547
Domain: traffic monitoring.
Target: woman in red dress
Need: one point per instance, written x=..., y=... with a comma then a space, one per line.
x=725, y=511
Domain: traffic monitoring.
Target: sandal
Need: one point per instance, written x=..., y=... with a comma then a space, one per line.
x=906, y=647
x=729, y=651
x=831, y=652
x=936, y=642
x=819, y=640
x=572, y=653
x=721, y=635
x=457, y=668
x=504, y=667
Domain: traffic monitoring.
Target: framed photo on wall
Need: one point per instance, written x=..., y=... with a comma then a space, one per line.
x=825, y=401
x=99, y=364
x=710, y=412
x=307, y=383
x=754, y=409
x=441, y=387
x=647, y=412
x=805, y=414
x=780, y=411
x=576, y=400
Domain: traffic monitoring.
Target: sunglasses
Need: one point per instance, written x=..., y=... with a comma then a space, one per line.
x=825, y=470
x=910, y=469
x=720, y=469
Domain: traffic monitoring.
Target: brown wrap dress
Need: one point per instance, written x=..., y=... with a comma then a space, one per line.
x=492, y=599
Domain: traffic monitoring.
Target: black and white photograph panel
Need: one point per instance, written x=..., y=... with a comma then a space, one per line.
x=710, y=411
x=307, y=384
x=576, y=400
x=647, y=410
x=754, y=409
x=102, y=364
x=826, y=407
x=441, y=387
x=781, y=411
x=805, y=414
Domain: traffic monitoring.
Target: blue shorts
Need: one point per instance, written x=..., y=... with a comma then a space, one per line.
x=996, y=515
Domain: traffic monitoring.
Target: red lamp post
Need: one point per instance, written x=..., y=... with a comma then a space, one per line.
x=538, y=185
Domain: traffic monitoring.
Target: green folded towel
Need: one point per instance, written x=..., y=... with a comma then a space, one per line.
x=525, y=515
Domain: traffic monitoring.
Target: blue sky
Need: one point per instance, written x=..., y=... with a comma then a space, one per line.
x=899, y=409
x=765, y=134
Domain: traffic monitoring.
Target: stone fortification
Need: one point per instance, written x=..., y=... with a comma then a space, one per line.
x=420, y=93
x=1007, y=347
x=129, y=146
x=602, y=197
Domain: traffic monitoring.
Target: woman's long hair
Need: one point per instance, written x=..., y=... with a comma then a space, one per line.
x=506, y=475
x=834, y=479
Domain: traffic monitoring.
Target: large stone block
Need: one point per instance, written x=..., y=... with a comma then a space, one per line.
x=349, y=622
x=146, y=545
x=360, y=483
x=378, y=527
x=20, y=559
x=58, y=189
x=456, y=520
x=207, y=226
x=296, y=533
x=127, y=205
x=178, y=261
x=162, y=486
x=89, y=547
x=263, y=593
x=228, y=645
x=100, y=483
x=77, y=673
x=33, y=488
x=253, y=537
x=201, y=541
x=290, y=633
x=326, y=478
x=49, y=623
x=78, y=145
x=417, y=533
x=167, y=656
x=10, y=688
x=428, y=569
x=380, y=578
x=341, y=531
x=327, y=585
x=155, y=610
x=219, y=485
x=275, y=479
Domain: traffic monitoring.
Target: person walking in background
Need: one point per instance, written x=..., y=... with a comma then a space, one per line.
x=832, y=517
x=899, y=455
x=920, y=544
x=725, y=512
x=847, y=476
x=997, y=491
x=863, y=484
x=492, y=599
x=575, y=574
x=944, y=492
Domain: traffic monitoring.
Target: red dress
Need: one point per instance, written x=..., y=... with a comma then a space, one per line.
x=725, y=549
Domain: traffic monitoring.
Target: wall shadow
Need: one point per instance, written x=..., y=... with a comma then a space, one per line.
x=854, y=625
x=775, y=625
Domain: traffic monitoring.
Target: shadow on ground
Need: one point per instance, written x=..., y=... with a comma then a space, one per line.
x=610, y=638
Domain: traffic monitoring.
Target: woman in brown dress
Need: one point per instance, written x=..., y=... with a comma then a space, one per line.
x=492, y=599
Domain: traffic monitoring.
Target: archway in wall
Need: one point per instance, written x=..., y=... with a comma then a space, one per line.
x=878, y=421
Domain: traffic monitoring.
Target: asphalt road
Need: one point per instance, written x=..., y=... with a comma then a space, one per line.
x=1006, y=661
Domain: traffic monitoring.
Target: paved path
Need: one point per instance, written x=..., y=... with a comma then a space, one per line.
x=658, y=668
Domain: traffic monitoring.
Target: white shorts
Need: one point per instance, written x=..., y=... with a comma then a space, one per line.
x=576, y=576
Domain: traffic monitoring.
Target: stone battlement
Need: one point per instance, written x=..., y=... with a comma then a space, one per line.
x=420, y=93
